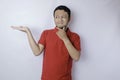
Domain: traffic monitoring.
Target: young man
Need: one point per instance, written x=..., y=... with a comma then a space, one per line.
x=60, y=46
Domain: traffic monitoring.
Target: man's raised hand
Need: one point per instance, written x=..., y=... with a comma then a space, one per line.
x=20, y=28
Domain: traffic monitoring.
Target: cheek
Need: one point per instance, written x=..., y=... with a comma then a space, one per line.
x=55, y=20
x=65, y=21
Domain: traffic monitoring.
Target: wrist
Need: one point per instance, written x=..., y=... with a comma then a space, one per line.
x=28, y=32
x=66, y=40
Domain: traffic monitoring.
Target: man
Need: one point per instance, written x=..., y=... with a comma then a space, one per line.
x=60, y=46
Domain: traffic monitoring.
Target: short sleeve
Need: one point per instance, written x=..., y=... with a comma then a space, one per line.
x=42, y=39
x=76, y=42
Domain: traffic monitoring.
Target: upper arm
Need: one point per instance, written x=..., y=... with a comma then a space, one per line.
x=76, y=42
x=41, y=47
x=42, y=41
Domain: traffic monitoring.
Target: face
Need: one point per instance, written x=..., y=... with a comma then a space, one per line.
x=61, y=18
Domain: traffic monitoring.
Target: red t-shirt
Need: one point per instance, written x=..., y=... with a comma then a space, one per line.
x=57, y=62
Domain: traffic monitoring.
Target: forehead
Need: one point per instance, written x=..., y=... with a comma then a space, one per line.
x=61, y=12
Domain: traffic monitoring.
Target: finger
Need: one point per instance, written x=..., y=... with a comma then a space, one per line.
x=64, y=28
x=59, y=29
x=17, y=28
x=14, y=27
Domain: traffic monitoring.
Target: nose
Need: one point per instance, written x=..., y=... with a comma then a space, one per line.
x=60, y=19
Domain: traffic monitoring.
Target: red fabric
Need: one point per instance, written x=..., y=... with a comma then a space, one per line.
x=57, y=63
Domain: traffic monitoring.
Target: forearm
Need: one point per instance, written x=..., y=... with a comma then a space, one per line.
x=34, y=46
x=73, y=52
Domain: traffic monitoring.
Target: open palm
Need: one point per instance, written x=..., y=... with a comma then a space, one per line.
x=20, y=28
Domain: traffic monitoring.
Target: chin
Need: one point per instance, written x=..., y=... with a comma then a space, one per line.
x=60, y=26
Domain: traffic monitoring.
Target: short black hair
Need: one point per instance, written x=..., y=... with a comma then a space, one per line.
x=65, y=8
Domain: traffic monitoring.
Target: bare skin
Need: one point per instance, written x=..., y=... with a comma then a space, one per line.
x=61, y=20
x=36, y=48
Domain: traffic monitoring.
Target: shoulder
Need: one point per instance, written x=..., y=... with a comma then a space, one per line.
x=48, y=30
x=74, y=35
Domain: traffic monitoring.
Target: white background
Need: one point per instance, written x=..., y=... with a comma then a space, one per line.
x=96, y=21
